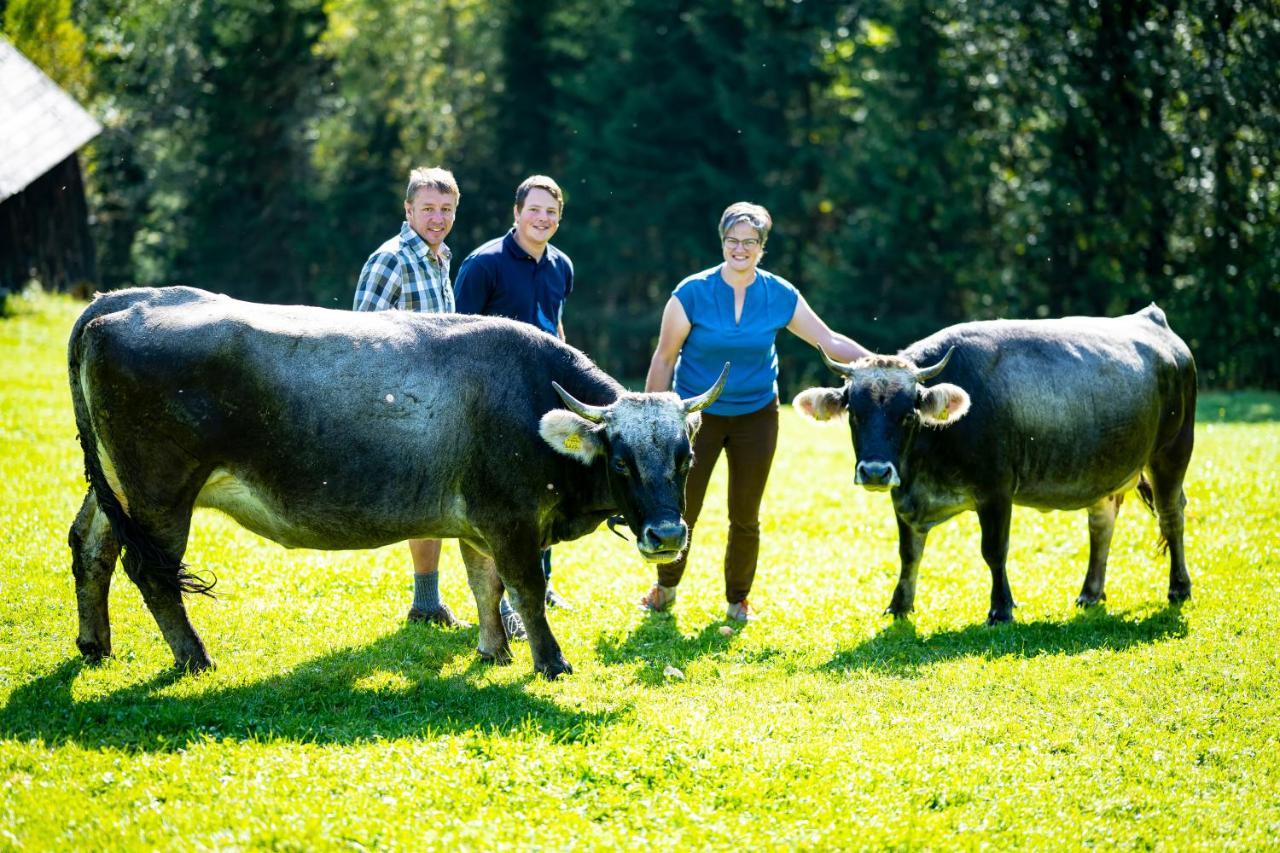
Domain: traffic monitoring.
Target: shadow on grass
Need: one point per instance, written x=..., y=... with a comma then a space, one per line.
x=390, y=688
x=658, y=642
x=899, y=650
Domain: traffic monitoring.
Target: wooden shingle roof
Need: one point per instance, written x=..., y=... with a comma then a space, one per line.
x=40, y=125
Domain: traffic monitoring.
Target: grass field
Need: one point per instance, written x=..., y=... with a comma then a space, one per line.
x=330, y=724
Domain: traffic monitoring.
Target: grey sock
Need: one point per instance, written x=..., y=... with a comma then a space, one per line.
x=426, y=592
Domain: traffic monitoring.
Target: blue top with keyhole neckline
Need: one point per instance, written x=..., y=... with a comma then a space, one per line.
x=748, y=342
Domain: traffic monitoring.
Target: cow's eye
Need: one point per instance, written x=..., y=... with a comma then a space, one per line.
x=684, y=465
x=620, y=465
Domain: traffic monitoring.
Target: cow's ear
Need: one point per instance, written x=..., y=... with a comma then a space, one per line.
x=571, y=435
x=942, y=405
x=693, y=423
x=820, y=404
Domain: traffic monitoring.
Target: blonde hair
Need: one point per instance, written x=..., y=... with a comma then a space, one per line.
x=434, y=177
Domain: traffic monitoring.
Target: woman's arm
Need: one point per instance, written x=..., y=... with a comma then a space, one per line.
x=808, y=327
x=671, y=337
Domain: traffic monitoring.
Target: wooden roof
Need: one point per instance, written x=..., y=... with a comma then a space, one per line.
x=40, y=125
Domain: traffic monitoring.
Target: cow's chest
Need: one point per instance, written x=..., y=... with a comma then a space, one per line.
x=927, y=502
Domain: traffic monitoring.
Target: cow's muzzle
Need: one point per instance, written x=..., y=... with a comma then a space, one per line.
x=876, y=476
x=663, y=541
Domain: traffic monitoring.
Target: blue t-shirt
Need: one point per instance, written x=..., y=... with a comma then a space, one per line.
x=503, y=280
x=715, y=338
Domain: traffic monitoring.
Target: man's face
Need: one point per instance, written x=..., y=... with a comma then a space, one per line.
x=538, y=220
x=430, y=215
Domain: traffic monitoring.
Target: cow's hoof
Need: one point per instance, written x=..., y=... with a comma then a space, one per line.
x=1084, y=600
x=194, y=665
x=898, y=614
x=554, y=670
x=1177, y=596
x=93, y=652
x=501, y=657
x=996, y=617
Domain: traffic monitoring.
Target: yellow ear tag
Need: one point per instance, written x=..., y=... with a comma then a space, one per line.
x=573, y=442
x=944, y=414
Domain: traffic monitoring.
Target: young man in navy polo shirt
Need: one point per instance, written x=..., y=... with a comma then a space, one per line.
x=522, y=276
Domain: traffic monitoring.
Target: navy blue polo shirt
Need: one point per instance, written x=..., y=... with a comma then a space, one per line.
x=501, y=279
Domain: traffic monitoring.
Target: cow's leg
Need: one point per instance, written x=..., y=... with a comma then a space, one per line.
x=153, y=565
x=1102, y=523
x=486, y=587
x=164, y=599
x=910, y=552
x=994, y=517
x=520, y=567
x=94, y=551
x=1168, y=468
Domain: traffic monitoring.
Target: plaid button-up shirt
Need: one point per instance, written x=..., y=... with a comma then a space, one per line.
x=404, y=274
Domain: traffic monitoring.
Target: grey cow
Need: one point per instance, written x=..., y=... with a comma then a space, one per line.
x=1052, y=414
x=333, y=429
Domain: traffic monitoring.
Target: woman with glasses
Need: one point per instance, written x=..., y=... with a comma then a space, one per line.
x=732, y=313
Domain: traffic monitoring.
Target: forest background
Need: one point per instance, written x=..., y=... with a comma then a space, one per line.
x=926, y=161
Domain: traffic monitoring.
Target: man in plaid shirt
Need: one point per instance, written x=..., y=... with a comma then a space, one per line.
x=410, y=272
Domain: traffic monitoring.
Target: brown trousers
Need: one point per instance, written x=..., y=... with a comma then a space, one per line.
x=749, y=442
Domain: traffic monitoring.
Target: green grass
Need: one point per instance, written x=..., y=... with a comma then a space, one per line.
x=330, y=724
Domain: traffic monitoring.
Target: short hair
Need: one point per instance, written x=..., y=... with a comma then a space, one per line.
x=538, y=182
x=436, y=178
x=752, y=214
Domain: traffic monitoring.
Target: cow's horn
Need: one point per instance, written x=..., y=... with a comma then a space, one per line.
x=595, y=414
x=700, y=402
x=924, y=374
x=842, y=369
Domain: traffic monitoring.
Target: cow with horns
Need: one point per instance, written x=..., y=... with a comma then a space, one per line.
x=1054, y=414
x=333, y=429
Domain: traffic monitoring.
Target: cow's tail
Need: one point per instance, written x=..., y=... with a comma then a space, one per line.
x=154, y=560
x=1149, y=501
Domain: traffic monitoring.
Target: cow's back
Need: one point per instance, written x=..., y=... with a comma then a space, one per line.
x=1063, y=411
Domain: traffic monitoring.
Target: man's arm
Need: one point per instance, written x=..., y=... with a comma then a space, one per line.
x=379, y=286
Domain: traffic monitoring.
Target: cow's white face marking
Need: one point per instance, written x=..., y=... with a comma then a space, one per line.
x=884, y=382
x=650, y=426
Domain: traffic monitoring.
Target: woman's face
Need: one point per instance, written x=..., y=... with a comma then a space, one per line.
x=742, y=248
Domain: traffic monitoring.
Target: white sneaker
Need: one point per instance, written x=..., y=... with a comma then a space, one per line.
x=740, y=612
x=658, y=598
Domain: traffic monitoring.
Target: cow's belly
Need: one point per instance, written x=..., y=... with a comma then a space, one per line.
x=314, y=524
x=1062, y=495
x=931, y=501
x=227, y=493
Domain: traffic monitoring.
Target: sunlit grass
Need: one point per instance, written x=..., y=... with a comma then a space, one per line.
x=329, y=723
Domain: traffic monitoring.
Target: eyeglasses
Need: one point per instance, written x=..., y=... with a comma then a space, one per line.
x=749, y=244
